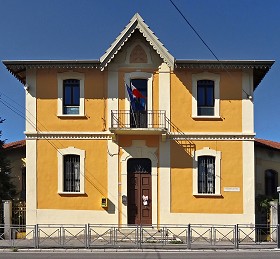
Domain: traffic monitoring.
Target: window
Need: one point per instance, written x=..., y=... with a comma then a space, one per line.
x=205, y=97
x=71, y=171
x=71, y=96
x=206, y=172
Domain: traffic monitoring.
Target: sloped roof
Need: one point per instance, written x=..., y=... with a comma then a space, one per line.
x=267, y=143
x=16, y=144
x=136, y=23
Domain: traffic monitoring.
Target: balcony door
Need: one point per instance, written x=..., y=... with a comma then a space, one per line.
x=138, y=112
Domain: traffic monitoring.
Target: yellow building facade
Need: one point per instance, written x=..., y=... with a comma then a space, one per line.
x=138, y=137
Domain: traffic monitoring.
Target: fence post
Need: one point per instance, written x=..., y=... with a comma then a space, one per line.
x=236, y=237
x=88, y=236
x=85, y=238
x=140, y=237
x=278, y=236
x=189, y=239
x=36, y=236
x=7, y=207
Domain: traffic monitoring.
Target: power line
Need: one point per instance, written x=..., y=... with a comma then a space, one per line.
x=97, y=186
x=195, y=31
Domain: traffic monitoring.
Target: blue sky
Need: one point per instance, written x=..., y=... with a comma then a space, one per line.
x=84, y=29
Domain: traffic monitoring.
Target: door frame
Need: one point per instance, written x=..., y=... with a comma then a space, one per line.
x=137, y=199
x=138, y=149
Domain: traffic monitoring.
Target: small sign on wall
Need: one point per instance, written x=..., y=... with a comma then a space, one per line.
x=232, y=189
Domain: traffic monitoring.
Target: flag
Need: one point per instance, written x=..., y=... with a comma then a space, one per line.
x=136, y=92
x=136, y=100
x=132, y=98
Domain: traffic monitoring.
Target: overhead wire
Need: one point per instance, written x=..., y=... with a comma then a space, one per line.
x=204, y=42
x=22, y=115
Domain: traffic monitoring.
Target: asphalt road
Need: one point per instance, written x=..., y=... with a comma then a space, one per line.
x=144, y=255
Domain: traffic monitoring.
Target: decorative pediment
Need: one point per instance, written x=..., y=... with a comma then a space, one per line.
x=138, y=55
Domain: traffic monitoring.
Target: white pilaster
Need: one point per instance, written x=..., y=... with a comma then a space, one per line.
x=30, y=100
x=249, y=180
x=247, y=102
x=113, y=94
x=31, y=182
x=164, y=89
x=113, y=165
x=164, y=183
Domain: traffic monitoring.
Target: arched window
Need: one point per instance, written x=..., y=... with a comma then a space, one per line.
x=271, y=183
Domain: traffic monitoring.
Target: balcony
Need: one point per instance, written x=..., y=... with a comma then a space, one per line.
x=138, y=123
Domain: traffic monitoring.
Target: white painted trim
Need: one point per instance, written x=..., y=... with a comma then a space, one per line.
x=247, y=102
x=207, y=152
x=113, y=95
x=70, y=75
x=139, y=149
x=71, y=151
x=249, y=179
x=31, y=182
x=164, y=90
x=31, y=101
x=140, y=75
x=206, y=76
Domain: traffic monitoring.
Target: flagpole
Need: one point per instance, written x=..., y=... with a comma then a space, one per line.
x=130, y=104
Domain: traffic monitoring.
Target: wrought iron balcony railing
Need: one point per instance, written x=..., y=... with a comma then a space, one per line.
x=138, y=120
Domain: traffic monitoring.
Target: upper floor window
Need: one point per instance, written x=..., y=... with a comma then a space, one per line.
x=205, y=97
x=206, y=174
x=71, y=96
x=71, y=170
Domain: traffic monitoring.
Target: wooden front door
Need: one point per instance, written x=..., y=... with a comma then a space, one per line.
x=139, y=191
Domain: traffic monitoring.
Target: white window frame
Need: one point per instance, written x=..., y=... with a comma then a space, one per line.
x=60, y=155
x=206, y=76
x=217, y=155
x=65, y=76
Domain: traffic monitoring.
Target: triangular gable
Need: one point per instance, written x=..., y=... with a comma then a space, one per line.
x=137, y=23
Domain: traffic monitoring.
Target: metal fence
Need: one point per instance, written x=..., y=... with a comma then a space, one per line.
x=189, y=236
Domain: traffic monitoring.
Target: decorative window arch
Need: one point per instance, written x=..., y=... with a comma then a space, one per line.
x=207, y=172
x=71, y=170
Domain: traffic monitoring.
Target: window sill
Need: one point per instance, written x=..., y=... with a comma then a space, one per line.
x=207, y=118
x=205, y=195
x=66, y=116
x=71, y=193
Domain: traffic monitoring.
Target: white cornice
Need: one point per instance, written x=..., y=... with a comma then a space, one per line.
x=68, y=135
x=230, y=136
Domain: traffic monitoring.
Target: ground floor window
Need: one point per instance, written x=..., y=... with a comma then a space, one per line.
x=206, y=174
